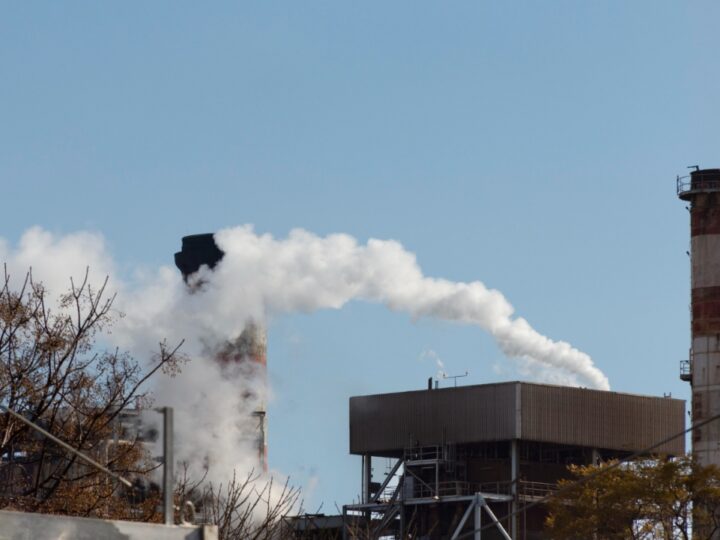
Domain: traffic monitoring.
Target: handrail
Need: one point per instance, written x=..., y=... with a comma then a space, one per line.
x=685, y=184
x=464, y=488
x=685, y=370
x=536, y=489
x=681, y=185
x=419, y=453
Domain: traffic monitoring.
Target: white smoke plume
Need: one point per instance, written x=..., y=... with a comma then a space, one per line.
x=262, y=277
x=305, y=272
x=54, y=259
x=430, y=354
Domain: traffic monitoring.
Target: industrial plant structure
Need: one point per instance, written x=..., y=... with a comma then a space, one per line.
x=702, y=368
x=249, y=349
x=473, y=457
x=477, y=461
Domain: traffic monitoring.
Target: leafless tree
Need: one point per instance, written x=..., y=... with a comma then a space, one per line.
x=248, y=507
x=53, y=372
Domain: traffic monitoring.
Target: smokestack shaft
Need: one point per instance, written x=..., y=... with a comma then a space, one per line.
x=703, y=194
x=249, y=346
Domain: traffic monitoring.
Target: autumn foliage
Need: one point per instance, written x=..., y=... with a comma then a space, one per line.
x=53, y=372
x=642, y=500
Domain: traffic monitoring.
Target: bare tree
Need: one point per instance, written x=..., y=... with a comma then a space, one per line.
x=53, y=372
x=248, y=507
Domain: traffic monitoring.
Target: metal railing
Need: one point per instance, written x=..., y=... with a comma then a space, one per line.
x=424, y=453
x=685, y=184
x=682, y=184
x=459, y=488
x=685, y=370
x=536, y=489
x=462, y=488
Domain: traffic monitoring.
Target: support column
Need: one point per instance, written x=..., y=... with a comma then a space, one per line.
x=401, y=496
x=477, y=525
x=366, y=477
x=168, y=463
x=345, y=523
x=437, y=479
x=514, y=491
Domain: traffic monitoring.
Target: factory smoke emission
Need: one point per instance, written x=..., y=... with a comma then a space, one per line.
x=246, y=352
x=260, y=277
x=305, y=272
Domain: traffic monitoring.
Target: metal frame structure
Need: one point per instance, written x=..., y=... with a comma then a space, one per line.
x=478, y=504
x=487, y=450
x=686, y=186
x=384, y=510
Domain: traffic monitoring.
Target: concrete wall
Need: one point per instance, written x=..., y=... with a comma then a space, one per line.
x=26, y=526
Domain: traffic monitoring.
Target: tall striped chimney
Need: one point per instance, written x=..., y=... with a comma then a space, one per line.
x=702, y=191
x=249, y=347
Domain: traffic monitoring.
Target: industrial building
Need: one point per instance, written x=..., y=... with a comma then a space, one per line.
x=474, y=457
x=481, y=459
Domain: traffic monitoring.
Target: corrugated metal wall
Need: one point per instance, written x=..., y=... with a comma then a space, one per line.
x=600, y=419
x=391, y=422
x=385, y=424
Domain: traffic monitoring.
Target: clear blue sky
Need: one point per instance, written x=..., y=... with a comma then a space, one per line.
x=532, y=146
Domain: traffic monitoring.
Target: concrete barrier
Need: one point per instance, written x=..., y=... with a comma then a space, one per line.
x=28, y=526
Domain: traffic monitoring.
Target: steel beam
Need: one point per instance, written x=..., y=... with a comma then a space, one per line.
x=477, y=524
x=499, y=526
x=168, y=463
x=366, y=477
x=387, y=480
x=466, y=515
x=514, y=481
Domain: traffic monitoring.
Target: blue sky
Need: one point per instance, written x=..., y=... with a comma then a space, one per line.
x=532, y=146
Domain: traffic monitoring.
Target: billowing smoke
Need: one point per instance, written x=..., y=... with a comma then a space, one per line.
x=260, y=278
x=305, y=272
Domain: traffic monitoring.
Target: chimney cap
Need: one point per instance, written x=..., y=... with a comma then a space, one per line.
x=197, y=250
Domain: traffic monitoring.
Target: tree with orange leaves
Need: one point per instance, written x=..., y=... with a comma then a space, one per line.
x=641, y=500
x=53, y=374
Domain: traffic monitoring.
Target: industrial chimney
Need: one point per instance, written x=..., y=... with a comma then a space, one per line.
x=249, y=347
x=702, y=190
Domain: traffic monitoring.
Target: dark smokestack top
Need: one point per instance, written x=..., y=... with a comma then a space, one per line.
x=705, y=175
x=197, y=249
